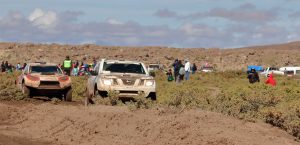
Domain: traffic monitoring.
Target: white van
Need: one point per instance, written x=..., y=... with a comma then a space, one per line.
x=272, y=70
x=290, y=71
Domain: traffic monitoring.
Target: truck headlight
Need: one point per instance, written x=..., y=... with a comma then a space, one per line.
x=149, y=83
x=108, y=82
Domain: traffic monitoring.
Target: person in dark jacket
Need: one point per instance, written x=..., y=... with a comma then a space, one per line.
x=253, y=76
x=24, y=65
x=176, y=68
x=3, y=68
x=194, y=68
x=6, y=64
x=271, y=80
x=9, y=68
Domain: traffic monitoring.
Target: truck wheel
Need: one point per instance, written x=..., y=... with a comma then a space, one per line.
x=96, y=93
x=152, y=96
x=88, y=98
x=68, y=95
x=26, y=91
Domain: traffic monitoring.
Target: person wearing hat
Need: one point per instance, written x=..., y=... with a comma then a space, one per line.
x=187, y=68
x=67, y=65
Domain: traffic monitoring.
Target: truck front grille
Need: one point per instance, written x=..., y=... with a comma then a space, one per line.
x=129, y=92
x=128, y=82
x=44, y=84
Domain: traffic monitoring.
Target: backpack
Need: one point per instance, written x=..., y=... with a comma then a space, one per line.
x=170, y=78
x=181, y=71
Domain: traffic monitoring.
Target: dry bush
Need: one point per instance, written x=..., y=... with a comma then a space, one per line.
x=8, y=88
x=79, y=87
x=231, y=94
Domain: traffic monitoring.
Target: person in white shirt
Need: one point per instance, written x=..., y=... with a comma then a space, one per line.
x=187, y=68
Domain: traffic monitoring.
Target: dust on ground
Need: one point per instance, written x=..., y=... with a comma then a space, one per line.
x=43, y=123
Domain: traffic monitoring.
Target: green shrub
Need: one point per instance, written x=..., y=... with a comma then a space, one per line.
x=79, y=87
x=8, y=88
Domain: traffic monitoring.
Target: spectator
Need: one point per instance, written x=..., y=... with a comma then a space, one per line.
x=94, y=63
x=253, y=76
x=6, y=64
x=67, y=65
x=170, y=75
x=187, y=68
x=76, y=68
x=18, y=67
x=176, y=68
x=180, y=72
x=194, y=68
x=24, y=65
x=271, y=80
x=9, y=68
x=3, y=69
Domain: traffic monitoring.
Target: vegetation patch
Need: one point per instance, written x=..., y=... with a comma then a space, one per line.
x=226, y=92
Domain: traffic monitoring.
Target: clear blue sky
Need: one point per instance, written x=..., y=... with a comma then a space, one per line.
x=179, y=23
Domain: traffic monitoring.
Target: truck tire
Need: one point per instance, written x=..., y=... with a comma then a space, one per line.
x=96, y=93
x=152, y=96
x=88, y=98
x=68, y=95
x=26, y=91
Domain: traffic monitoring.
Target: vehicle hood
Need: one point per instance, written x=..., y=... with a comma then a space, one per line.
x=127, y=75
x=52, y=77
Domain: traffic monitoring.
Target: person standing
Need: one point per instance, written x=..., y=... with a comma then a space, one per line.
x=176, y=69
x=187, y=68
x=18, y=67
x=76, y=68
x=24, y=65
x=194, y=68
x=9, y=68
x=180, y=72
x=3, y=69
x=6, y=65
x=67, y=65
x=94, y=63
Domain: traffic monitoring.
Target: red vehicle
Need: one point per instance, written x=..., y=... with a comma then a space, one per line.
x=46, y=79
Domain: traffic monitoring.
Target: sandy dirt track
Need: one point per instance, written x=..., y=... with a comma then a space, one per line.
x=27, y=123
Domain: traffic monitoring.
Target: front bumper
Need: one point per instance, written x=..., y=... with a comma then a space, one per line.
x=48, y=85
x=128, y=91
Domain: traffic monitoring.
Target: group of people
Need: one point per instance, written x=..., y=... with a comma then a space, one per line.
x=254, y=77
x=181, y=70
x=76, y=68
x=8, y=67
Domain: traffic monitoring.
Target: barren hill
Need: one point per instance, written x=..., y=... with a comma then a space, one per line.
x=222, y=59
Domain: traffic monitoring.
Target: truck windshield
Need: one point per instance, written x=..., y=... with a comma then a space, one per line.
x=124, y=68
x=46, y=69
